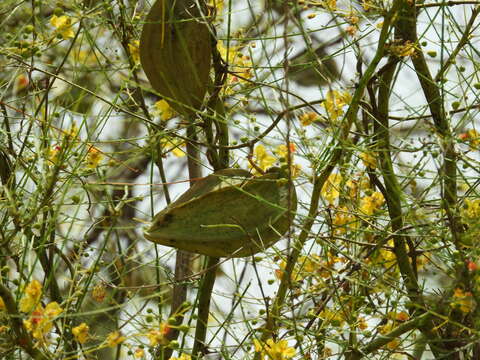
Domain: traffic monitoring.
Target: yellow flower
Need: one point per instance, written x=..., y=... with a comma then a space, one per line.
x=308, y=118
x=80, y=333
x=274, y=350
x=362, y=324
x=334, y=103
x=165, y=110
x=94, y=157
x=241, y=65
x=262, y=158
x=99, y=293
x=394, y=344
x=333, y=318
x=402, y=49
x=472, y=136
x=41, y=320
x=2, y=304
x=331, y=4
x=115, y=338
x=31, y=296
x=63, y=26
x=53, y=309
x=282, y=150
x=54, y=154
x=402, y=316
x=173, y=145
x=21, y=83
x=134, y=48
x=368, y=160
x=331, y=188
x=369, y=204
x=139, y=353
x=159, y=336
x=343, y=220
x=72, y=132
x=385, y=258
x=218, y=5
x=182, y=357
x=472, y=210
x=398, y=316
x=367, y=5
x=463, y=300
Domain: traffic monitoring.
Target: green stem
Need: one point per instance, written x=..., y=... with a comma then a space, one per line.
x=394, y=200
x=205, y=295
x=184, y=258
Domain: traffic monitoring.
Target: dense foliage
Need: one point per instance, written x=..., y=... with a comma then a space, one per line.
x=370, y=108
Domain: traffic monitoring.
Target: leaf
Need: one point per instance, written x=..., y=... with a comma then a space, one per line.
x=175, y=52
x=227, y=214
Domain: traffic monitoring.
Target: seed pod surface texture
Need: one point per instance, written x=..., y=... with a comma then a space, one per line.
x=175, y=53
x=228, y=214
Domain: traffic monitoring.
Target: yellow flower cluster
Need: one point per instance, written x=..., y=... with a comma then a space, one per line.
x=370, y=204
x=402, y=49
x=80, y=333
x=264, y=160
x=472, y=209
x=272, y=350
x=94, y=157
x=31, y=296
x=114, y=339
x=463, y=300
x=99, y=293
x=311, y=265
x=472, y=136
x=159, y=336
x=333, y=318
x=343, y=220
x=63, y=26
x=308, y=118
x=54, y=154
x=335, y=102
x=241, y=65
x=369, y=160
x=331, y=189
x=40, y=321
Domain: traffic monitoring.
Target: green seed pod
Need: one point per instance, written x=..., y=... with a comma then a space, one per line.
x=228, y=213
x=175, y=52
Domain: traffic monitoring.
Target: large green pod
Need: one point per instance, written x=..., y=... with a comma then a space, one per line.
x=228, y=213
x=175, y=52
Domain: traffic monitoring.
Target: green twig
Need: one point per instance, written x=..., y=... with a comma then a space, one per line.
x=205, y=295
